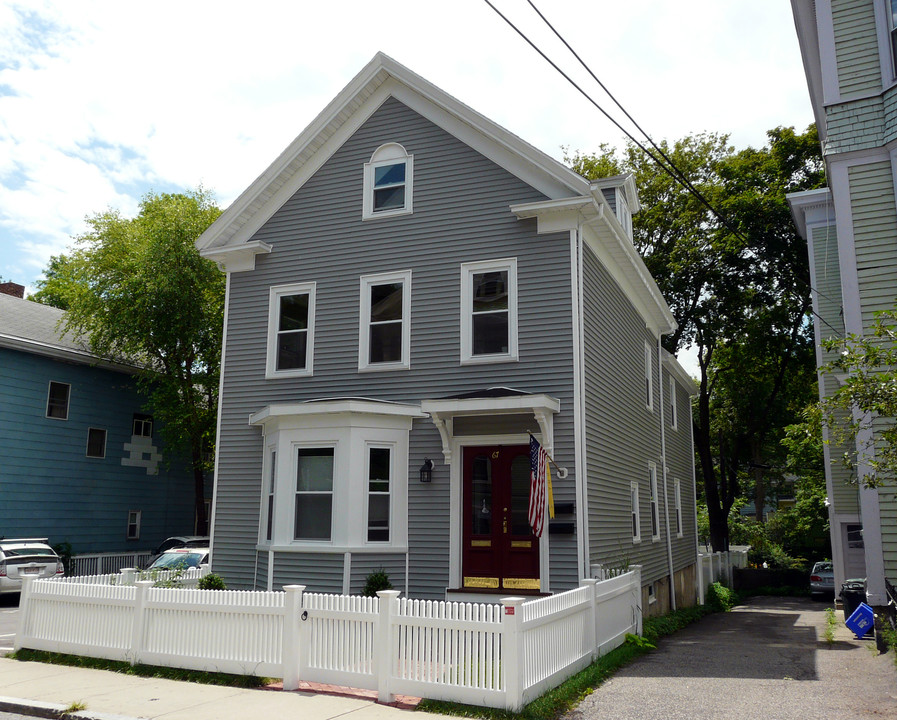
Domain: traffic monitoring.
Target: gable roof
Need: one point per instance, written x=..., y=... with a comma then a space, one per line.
x=229, y=236
x=31, y=327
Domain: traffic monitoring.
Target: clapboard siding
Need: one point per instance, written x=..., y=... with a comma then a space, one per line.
x=319, y=572
x=48, y=485
x=363, y=564
x=461, y=214
x=856, y=47
x=875, y=236
x=622, y=434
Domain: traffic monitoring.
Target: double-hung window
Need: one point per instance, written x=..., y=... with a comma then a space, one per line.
x=379, y=472
x=655, y=510
x=314, y=494
x=143, y=425
x=674, y=417
x=291, y=330
x=58, y=400
x=677, y=490
x=269, y=510
x=634, y=512
x=133, y=529
x=892, y=28
x=385, y=327
x=388, y=182
x=649, y=378
x=96, y=442
x=489, y=311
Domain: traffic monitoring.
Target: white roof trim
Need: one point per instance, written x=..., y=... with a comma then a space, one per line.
x=82, y=357
x=816, y=203
x=678, y=372
x=381, y=78
x=334, y=407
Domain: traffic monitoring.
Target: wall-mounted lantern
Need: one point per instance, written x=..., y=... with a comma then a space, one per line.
x=426, y=471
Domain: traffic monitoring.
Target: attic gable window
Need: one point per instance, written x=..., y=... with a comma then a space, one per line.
x=388, y=182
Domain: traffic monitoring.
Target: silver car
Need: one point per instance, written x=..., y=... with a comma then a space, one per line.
x=26, y=557
x=822, y=579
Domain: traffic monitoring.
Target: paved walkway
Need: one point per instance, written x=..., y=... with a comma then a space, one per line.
x=767, y=659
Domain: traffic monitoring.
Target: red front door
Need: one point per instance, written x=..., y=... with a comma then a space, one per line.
x=500, y=551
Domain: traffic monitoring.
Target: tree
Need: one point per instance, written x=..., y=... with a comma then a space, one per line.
x=138, y=292
x=862, y=410
x=739, y=289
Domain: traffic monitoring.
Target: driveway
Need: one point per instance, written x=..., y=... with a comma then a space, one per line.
x=766, y=659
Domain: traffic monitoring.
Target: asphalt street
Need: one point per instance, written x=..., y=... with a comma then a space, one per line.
x=766, y=659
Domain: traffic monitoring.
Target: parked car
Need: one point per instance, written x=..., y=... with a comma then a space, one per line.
x=181, y=558
x=822, y=579
x=21, y=557
x=180, y=541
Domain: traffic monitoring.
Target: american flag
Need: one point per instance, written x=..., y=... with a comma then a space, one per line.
x=540, y=485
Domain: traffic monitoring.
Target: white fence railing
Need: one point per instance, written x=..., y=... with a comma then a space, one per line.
x=188, y=577
x=717, y=567
x=105, y=563
x=499, y=655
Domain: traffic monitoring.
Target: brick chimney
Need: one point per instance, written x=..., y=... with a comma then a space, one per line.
x=11, y=288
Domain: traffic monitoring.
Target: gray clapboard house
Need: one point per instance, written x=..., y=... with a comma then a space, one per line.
x=412, y=290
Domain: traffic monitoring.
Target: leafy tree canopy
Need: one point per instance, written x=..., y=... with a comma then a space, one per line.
x=138, y=291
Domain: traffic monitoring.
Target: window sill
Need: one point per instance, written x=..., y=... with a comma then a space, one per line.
x=387, y=214
x=277, y=375
x=488, y=359
x=383, y=367
x=333, y=549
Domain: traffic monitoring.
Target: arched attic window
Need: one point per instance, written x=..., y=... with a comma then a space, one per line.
x=388, y=182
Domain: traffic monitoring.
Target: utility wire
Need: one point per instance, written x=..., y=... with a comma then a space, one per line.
x=666, y=164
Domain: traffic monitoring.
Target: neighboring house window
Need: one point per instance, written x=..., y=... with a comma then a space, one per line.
x=133, y=525
x=677, y=489
x=269, y=518
x=489, y=311
x=634, y=512
x=379, y=474
x=655, y=517
x=291, y=330
x=96, y=443
x=58, y=400
x=314, y=494
x=649, y=378
x=143, y=425
x=388, y=182
x=674, y=418
x=892, y=26
x=385, y=326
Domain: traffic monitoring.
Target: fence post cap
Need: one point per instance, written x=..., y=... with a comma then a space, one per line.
x=588, y=581
x=514, y=601
x=293, y=588
x=388, y=593
x=144, y=583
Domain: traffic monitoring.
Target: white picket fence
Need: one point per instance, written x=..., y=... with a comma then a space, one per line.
x=106, y=563
x=499, y=655
x=717, y=567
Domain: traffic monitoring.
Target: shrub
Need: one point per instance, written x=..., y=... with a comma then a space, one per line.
x=377, y=580
x=211, y=582
x=721, y=598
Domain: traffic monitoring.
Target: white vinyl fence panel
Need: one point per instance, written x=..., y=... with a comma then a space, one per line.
x=105, y=563
x=495, y=655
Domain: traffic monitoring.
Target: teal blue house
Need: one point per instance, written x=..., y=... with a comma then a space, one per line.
x=82, y=461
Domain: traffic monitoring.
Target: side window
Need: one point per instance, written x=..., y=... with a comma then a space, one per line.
x=133, y=531
x=388, y=182
x=655, y=516
x=291, y=330
x=677, y=489
x=649, y=378
x=489, y=311
x=96, y=443
x=269, y=506
x=58, y=400
x=634, y=512
x=143, y=425
x=378, y=488
x=385, y=322
x=314, y=494
x=892, y=27
x=674, y=418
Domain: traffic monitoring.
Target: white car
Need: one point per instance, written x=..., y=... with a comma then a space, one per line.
x=181, y=558
x=822, y=579
x=26, y=557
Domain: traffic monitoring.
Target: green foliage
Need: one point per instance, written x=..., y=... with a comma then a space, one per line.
x=654, y=628
x=721, y=598
x=870, y=366
x=66, y=555
x=738, y=289
x=211, y=582
x=377, y=580
x=639, y=641
x=831, y=622
x=139, y=293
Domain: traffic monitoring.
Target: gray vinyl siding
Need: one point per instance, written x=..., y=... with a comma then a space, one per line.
x=461, y=214
x=856, y=47
x=261, y=571
x=319, y=572
x=364, y=564
x=875, y=236
x=887, y=508
x=622, y=435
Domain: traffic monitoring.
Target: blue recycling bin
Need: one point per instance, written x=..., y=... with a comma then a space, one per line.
x=862, y=621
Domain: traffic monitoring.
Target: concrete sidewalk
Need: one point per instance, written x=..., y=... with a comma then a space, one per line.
x=42, y=689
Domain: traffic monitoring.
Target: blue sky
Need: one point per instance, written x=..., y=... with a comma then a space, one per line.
x=101, y=102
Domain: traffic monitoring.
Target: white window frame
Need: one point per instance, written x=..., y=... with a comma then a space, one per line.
x=87, y=447
x=677, y=492
x=468, y=270
x=674, y=414
x=275, y=293
x=143, y=422
x=635, y=520
x=364, y=321
x=655, y=502
x=269, y=474
x=649, y=377
x=387, y=154
x=137, y=515
x=294, y=453
x=68, y=399
x=367, y=495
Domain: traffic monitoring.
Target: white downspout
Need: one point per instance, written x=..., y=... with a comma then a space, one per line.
x=663, y=457
x=579, y=426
